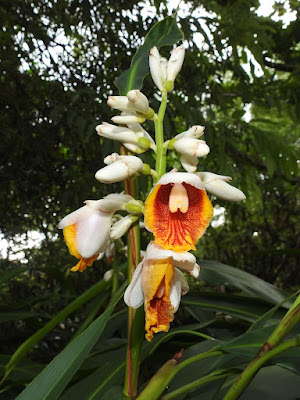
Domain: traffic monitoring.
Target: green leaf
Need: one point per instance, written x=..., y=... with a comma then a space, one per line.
x=216, y=273
x=53, y=379
x=165, y=32
x=243, y=307
x=25, y=347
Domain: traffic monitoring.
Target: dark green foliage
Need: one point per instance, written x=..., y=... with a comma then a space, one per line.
x=52, y=97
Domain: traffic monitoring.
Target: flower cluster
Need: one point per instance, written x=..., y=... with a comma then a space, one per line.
x=177, y=211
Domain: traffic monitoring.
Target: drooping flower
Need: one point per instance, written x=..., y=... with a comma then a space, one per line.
x=218, y=186
x=159, y=285
x=178, y=211
x=86, y=230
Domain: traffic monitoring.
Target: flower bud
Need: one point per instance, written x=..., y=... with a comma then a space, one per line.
x=175, y=63
x=108, y=275
x=194, y=132
x=127, y=119
x=121, y=227
x=120, y=103
x=156, y=69
x=191, y=147
x=134, y=207
x=138, y=101
x=118, y=133
x=119, y=168
x=218, y=186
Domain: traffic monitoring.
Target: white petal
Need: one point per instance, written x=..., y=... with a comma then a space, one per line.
x=121, y=227
x=120, y=103
x=118, y=133
x=139, y=101
x=127, y=119
x=189, y=163
x=134, y=296
x=110, y=203
x=115, y=172
x=155, y=68
x=180, y=177
x=192, y=147
x=92, y=234
x=175, y=63
x=194, y=132
x=207, y=177
x=179, y=276
x=175, y=293
x=224, y=191
x=75, y=216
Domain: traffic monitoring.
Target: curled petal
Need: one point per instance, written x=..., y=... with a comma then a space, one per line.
x=134, y=296
x=75, y=216
x=189, y=163
x=194, y=132
x=218, y=186
x=110, y=203
x=139, y=101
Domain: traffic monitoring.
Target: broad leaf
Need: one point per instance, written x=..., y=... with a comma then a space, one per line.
x=165, y=32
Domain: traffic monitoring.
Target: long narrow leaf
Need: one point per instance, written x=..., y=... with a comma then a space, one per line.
x=50, y=383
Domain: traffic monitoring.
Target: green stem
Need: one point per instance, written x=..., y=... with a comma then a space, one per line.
x=245, y=378
x=159, y=138
x=195, y=385
x=166, y=373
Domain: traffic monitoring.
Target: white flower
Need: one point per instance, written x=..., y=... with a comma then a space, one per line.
x=191, y=147
x=218, y=186
x=119, y=168
x=175, y=63
x=127, y=119
x=87, y=229
x=194, y=132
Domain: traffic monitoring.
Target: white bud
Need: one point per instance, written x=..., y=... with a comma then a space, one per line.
x=110, y=203
x=120, y=103
x=118, y=133
x=110, y=251
x=121, y=227
x=164, y=66
x=127, y=119
x=175, y=63
x=192, y=147
x=122, y=168
x=138, y=101
x=218, y=186
x=108, y=275
x=194, y=132
x=155, y=68
x=189, y=163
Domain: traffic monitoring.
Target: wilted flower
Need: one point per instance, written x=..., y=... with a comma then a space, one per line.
x=159, y=285
x=178, y=211
x=86, y=230
x=218, y=186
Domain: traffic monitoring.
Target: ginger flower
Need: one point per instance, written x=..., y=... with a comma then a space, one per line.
x=86, y=230
x=159, y=285
x=178, y=211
